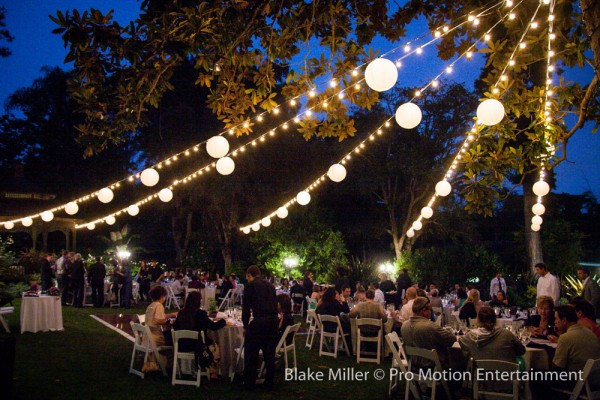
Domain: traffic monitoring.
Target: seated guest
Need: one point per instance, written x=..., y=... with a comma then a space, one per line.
x=490, y=343
x=330, y=305
x=576, y=344
x=195, y=283
x=156, y=318
x=379, y=296
x=316, y=292
x=369, y=309
x=435, y=298
x=345, y=294
x=386, y=284
x=586, y=314
x=420, y=331
x=471, y=307
x=406, y=310
x=226, y=286
x=285, y=284
x=461, y=297
x=499, y=300
x=360, y=294
x=177, y=286
x=192, y=318
x=297, y=291
x=284, y=310
x=542, y=324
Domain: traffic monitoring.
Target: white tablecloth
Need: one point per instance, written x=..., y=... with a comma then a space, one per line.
x=228, y=338
x=207, y=293
x=43, y=313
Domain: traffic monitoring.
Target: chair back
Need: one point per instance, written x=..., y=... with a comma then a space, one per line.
x=495, y=388
x=472, y=322
x=371, y=322
x=226, y=300
x=430, y=355
x=142, y=318
x=287, y=339
x=398, y=355
x=590, y=373
x=328, y=321
x=312, y=303
x=182, y=334
x=139, y=333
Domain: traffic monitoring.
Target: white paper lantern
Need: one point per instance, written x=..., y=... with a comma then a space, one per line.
x=538, y=209
x=246, y=230
x=408, y=115
x=149, y=177
x=536, y=220
x=217, y=146
x=490, y=112
x=71, y=208
x=443, y=188
x=91, y=226
x=282, y=212
x=255, y=227
x=133, y=210
x=426, y=212
x=410, y=233
x=165, y=195
x=417, y=225
x=9, y=225
x=337, y=172
x=105, y=195
x=303, y=198
x=47, y=216
x=535, y=227
x=266, y=221
x=110, y=220
x=381, y=74
x=541, y=188
x=225, y=166
x=27, y=221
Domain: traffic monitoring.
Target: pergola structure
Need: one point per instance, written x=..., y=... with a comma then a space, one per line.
x=19, y=196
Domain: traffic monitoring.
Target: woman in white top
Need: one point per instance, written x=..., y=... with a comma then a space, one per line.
x=155, y=315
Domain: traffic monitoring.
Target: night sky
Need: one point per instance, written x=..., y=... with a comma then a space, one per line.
x=35, y=46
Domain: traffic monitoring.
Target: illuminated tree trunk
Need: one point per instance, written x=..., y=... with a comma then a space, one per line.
x=533, y=239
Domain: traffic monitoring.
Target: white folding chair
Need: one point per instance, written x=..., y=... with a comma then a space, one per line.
x=144, y=343
x=184, y=362
x=334, y=336
x=171, y=298
x=311, y=305
x=237, y=295
x=591, y=368
x=141, y=318
x=313, y=327
x=361, y=323
x=494, y=388
x=226, y=302
x=399, y=361
x=472, y=323
x=413, y=384
x=239, y=359
x=286, y=344
x=4, y=311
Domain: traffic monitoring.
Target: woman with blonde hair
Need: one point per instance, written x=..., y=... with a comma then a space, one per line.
x=471, y=307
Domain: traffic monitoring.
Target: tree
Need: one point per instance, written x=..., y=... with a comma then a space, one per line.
x=306, y=237
x=402, y=168
x=4, y=34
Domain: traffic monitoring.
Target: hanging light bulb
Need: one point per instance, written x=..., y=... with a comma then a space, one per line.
x=47, y=216
x=71, y=208
x=105, y=195
x=110, y=220
x=282, y=212
x=9, y=225
x=149, y=177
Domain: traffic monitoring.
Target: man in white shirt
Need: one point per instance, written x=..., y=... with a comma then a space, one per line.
x=379, y=296
x=406, y=311
x=497, y=284
x=548, y=284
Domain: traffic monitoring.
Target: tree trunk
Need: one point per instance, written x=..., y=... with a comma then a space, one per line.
x=181, y=234
x=591, y=20
x=533, y=239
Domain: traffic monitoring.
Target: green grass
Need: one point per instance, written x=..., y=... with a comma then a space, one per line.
x=89, y=361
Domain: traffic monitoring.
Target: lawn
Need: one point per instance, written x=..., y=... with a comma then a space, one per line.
x=89, y=361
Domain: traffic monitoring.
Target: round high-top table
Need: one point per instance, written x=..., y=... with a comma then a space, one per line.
x=41, y=314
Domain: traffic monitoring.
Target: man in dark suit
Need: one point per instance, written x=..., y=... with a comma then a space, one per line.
x=46, y=272
x=591, y=290
x=96, y=280
x=260, y=334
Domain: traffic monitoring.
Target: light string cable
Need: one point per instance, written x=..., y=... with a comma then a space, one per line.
x=443, y=188
x=541, y=187
x=282, y=210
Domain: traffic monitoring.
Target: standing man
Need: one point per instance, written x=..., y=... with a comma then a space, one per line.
x=78, y=281
x=402, y=284
x=46, y=272
x=547, y=283
x=127, y=281
x=591, y=290
x=260, y=334
x=96, y=279
x=60, y=271
x=497, y=284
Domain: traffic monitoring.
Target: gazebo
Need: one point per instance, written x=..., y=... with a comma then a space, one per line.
x=18, y=197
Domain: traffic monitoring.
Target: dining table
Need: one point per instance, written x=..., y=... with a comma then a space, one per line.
x=229, y=338
x=41, y=313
